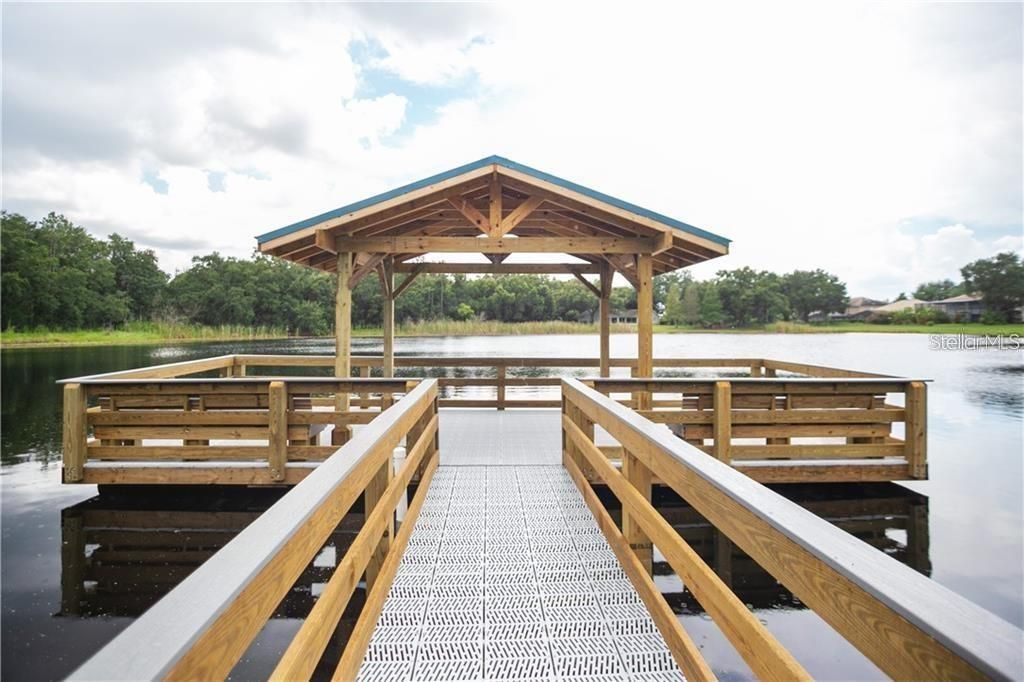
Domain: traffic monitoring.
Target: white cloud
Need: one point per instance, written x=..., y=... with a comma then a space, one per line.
x=808, y=133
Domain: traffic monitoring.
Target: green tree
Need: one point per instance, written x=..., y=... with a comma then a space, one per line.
x=751, y=297
x=673, y=306
x=136, y=275
x=999, y=280
x=712, y=313
x=937, y=290
x=810, y=291
x=690, y=304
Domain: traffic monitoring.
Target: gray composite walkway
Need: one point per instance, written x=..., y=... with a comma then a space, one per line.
x=507, y=575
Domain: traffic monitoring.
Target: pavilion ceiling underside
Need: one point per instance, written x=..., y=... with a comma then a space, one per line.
x=492, y=208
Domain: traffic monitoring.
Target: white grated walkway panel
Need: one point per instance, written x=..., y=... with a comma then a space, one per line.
x=508, y=577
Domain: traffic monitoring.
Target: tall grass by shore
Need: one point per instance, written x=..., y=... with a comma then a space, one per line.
x=491, y=328
x=137, y=333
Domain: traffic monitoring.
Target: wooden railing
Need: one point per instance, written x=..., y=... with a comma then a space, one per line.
x=908, y=625
x=202, y=627
x=257, y=425
x=501, y=367
x=794, y=419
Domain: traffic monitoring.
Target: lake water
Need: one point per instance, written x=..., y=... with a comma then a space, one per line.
x=61, y=602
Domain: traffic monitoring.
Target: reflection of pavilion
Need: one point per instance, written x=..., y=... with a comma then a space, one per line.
x=120, y=557
x=887, y=516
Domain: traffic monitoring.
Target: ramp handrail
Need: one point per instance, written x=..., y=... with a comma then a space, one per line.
x=201, y=628
x=908, y=625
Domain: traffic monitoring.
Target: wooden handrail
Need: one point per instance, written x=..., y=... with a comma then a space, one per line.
x=203, y=626
x=907, y=624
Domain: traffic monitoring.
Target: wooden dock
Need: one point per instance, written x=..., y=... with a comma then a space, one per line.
x=514, y=569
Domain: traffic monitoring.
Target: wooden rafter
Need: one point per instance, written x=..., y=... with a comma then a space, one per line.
x=509, y=222
x=471, y=213
x=368, y=265
x=587, y=283
x=601, y=245
x=419, y=269
x=503, y=269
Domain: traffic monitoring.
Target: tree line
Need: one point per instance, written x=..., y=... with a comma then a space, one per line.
x=57, y=276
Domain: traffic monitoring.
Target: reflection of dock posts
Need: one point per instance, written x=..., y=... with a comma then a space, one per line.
x=72, y=563
x=723, y=556
x=919, y=537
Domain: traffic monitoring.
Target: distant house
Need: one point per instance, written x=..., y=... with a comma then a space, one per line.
x=860, y=308
x=897, y=306
x=616, y=317
x=962, y=308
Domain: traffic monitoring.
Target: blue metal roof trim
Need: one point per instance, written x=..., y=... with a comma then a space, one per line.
x=501, y=161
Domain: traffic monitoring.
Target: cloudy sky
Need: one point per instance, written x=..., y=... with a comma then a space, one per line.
x=880, y=142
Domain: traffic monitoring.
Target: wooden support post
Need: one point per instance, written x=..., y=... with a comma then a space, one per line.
x=639, y=476
x=916, y=436
x=278, y=415
x=605, y=314
x=502, y=373
x=388, y=311
x=75, y=436
x=375, y=490
x=343, y=341
x=755, y=370
x=645, y=323
x=723, y=420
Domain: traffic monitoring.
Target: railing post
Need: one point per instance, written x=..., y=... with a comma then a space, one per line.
x=278, y=414
x=375, y=490
x=723, y=420
x=639, y=476
x=502, y=373
x=755, y=369
x=915, y=440
x=74, y=433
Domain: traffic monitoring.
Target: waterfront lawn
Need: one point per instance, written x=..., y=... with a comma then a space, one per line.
x=135, y=333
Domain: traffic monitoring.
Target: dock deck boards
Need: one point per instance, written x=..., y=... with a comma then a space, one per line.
x=507, y=576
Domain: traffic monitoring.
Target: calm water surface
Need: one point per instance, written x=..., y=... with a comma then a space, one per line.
x=77, y=566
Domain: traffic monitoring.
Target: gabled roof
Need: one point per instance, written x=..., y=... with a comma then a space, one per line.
x=444, y=204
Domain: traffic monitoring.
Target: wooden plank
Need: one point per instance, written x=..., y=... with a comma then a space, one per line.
x=418, y=269
x=639, y=477
x=472, y=214
x=494, y=204
x=520, y=213
x=644, y=325
x=342, y=338
x=910, y=626
x=125, y=417
x=817, y=451
x=414, y=244
x=359, y=638
x=376, y=491
x=143, y=453
x=916, y=438
x=301, y=658
x=684, y=651
x=201, y=628
x=177, y=432
x=761, y=651
x=604, y=316
x=74, y=432
x=277, y=452
x=500, y=268
x=722, y=425
x=587, y=283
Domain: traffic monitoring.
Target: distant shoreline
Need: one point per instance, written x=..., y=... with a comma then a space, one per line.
x=157, y=334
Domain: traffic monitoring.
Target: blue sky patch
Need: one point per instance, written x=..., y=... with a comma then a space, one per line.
x=424, y=101
x=153, y=179
x=215, y=180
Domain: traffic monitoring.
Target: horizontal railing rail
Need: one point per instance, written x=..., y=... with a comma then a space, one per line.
x=257, y=424
x=202, y=628
x=795, y=419
x=908, y=625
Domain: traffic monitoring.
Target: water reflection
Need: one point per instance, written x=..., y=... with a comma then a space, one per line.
x=122, y=552
x=887, y=516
